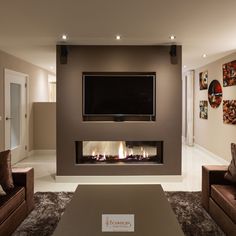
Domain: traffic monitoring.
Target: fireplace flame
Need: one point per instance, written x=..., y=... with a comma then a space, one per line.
x=144, y=153
x=121, y=151
x=103, y=158
x=131, y=152
x=93, y=153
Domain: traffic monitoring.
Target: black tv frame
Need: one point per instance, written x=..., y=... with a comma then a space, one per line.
x=119, y=117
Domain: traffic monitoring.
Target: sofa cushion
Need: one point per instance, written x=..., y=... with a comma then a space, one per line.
x=11, y=201
x=2, y=192
x=225, y=197
x=231, y=172
x=6, y=180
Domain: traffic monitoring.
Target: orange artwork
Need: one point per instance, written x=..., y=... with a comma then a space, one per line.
x=229, y=112
x=229, y=74
x=215, y=94
x=203, y=78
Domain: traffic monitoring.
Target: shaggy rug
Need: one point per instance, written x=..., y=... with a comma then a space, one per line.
x=49, y=206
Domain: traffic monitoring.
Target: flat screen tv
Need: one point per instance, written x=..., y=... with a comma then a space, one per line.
x=119, y=94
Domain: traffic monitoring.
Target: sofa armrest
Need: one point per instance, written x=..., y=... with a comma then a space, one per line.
x=25, y=177
x=212, y=174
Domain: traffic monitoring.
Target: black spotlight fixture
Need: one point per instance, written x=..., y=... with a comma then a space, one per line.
x=173, y=54
x=63, y=54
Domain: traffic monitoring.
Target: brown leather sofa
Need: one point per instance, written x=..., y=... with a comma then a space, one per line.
x=17, y=204
x=219, y=198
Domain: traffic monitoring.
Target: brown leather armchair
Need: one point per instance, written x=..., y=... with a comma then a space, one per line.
x=17, y=204
x=219, y=197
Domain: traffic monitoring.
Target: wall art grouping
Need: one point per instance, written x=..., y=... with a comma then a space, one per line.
x=215, y=94
x=203, y=105
x=229, y=112
x=203, y=80
x=229, y=74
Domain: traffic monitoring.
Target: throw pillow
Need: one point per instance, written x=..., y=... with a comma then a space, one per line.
x=6, y=180
x=2, y=192
x=231, y=173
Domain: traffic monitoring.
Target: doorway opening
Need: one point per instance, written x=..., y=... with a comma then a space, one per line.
x=16, y=114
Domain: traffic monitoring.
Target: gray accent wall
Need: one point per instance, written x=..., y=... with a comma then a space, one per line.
x=70, y=124
x=44, y=125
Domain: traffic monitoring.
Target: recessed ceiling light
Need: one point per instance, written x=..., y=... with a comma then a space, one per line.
x=172, y=37
x=51, y=68
x=64, y=37
x=118, y=37
x=185, y=66
x=204, y=55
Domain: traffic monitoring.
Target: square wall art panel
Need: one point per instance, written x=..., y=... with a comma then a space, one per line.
x=203, y=105
x=203, y=80
x=229, y=74
x=229, y=112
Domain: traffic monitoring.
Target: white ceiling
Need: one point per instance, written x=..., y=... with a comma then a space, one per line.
x=30, y=29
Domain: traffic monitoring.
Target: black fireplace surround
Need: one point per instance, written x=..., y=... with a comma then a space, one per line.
x=119, y=152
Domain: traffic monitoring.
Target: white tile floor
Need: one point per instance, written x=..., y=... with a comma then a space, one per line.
x=192, y=160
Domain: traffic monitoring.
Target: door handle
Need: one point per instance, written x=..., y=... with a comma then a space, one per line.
x=8, y=118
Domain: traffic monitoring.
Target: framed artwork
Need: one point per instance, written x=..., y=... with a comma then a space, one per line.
x=229, y=74
x=229, y=112
x=215, y=93
x=203, y=80
x=203, y=105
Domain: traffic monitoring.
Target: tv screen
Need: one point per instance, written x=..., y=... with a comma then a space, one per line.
x=119, y=94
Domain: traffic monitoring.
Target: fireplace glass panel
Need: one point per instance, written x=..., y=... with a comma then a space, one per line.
x=119, y=151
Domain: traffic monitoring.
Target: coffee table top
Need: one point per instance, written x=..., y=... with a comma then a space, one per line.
x=153, y=215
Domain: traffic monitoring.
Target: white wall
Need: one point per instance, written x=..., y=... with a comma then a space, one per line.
x=38, y=89
x=212, y=133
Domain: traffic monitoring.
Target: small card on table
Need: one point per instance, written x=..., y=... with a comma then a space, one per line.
x=117, y=222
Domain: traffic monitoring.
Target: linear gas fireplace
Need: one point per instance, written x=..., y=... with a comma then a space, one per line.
x=118, y=152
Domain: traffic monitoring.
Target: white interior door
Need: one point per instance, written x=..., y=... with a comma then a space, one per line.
x=16, y=135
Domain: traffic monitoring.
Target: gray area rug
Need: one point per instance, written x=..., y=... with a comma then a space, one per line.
x=49, y=206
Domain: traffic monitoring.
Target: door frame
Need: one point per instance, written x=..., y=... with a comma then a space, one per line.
x=190, y=108
x=16, y=73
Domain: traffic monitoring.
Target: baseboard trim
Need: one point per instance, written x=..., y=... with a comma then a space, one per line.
x=218, y=158
x=42, y=152
x=141, y=179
